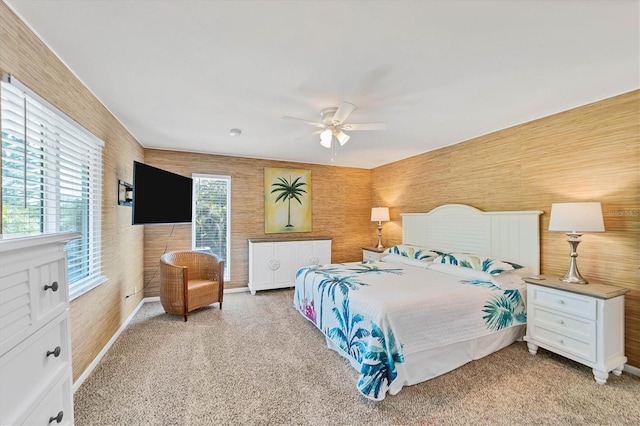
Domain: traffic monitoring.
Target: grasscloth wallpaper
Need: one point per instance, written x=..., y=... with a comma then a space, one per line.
x=589, y=153
x=341, y=203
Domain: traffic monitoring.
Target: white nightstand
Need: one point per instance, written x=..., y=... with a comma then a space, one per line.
x=583, y=322
x=370, y=254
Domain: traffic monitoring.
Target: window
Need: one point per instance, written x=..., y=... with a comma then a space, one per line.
x=51, y=179
x=211, y=216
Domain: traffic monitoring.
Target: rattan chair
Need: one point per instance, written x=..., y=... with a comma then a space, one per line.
x=190, y=280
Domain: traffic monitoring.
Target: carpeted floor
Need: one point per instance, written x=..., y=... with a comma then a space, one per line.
x=259, y=362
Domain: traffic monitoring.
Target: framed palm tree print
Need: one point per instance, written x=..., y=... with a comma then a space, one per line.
x=287, y=200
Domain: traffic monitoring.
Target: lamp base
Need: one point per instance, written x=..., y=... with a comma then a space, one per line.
x=573, y=275
x=379, y=246
x=574, y=279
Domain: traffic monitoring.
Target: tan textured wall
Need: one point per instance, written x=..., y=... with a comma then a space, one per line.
x=591, y=153
x=97, y=315
x=341, y=203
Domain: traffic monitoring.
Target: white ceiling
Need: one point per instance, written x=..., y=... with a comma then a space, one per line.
x=180, y=74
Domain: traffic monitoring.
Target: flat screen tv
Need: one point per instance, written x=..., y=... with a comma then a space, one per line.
x=159, y=196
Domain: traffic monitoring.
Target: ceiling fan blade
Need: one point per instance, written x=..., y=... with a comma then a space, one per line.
x=313, y=123
x=364, y=126
x=342, y=113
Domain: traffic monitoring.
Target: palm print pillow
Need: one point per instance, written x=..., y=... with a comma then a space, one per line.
x=413, y=252
x=477, y=262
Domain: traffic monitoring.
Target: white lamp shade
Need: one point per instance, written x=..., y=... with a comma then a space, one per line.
x=342, y=137
x=325, y=138
x=380, y=214
x=576, y=217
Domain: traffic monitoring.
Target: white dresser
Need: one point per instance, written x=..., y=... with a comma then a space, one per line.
x=583, y=322
x=35, y=340
x=273, y=263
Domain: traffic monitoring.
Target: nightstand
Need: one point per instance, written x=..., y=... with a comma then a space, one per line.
x=582, y=322
x=370, y=254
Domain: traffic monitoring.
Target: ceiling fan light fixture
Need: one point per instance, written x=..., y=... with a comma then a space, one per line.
x=325, y=138
x=342, y=137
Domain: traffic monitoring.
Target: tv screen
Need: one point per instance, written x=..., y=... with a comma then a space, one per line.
x=160, y=196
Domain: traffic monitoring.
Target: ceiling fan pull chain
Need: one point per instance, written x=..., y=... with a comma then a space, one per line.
x=334, y=149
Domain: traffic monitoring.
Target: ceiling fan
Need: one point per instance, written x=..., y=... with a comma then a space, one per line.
x=332, y=124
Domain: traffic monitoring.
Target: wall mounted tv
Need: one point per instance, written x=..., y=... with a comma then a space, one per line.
x=160, y=197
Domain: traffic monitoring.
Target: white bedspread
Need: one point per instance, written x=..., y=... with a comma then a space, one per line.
x=379, y=313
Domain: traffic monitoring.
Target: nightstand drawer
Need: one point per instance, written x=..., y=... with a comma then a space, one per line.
x=579, y=328
x=370, y=256
x=562, y=342
x=563, y=302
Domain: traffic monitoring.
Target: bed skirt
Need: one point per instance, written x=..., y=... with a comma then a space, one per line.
x=422, y=366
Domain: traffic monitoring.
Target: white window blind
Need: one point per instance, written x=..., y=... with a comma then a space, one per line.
x=51, y=179
x=211, y=213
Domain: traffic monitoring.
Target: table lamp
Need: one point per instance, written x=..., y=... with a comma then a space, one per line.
x=574, y=219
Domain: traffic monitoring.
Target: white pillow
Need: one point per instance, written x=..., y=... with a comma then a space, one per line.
x=396, y=258
x=506, y=280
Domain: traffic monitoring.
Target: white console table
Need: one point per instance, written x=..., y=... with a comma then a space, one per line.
x=273, y=262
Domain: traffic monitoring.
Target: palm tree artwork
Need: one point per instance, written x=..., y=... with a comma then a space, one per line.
x=287, y=200
x=287, y=191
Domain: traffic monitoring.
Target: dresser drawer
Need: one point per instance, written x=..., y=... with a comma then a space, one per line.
x=27, y=372
x=25, y=304
x=55, y=404
x=563, y=302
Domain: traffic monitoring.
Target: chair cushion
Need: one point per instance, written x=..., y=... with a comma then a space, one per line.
x=202, y=293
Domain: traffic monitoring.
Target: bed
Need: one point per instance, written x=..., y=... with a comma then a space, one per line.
x=450, y=293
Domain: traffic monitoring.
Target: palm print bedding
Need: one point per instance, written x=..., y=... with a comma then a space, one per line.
x=379, y=313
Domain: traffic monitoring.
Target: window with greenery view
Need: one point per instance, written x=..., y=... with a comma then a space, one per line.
x=211, y=216
x=51, y=179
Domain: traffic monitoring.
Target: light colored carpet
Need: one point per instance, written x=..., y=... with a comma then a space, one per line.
x=259, y=362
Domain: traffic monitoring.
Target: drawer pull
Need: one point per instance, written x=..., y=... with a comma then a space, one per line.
x=561, y=301
x=53, y=287
x=561, y=322
x=561, y=341
x=55, y=353
x=57, y=418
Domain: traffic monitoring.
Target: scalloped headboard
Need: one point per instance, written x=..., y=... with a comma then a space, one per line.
x=509, y=235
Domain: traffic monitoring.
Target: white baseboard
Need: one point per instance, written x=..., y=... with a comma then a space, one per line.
x=104, y=350
x=632, y=370
x=237, y=290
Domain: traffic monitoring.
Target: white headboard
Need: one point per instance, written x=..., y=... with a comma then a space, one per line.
x=513, y=235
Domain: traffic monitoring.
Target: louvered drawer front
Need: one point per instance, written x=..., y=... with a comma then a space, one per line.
x=564, y=302
x=16, y=316
x=25, y=303
x=27, y=371
x=569, y=344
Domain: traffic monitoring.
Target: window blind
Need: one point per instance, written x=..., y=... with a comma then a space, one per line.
x=212, y=210
x=51, y=179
